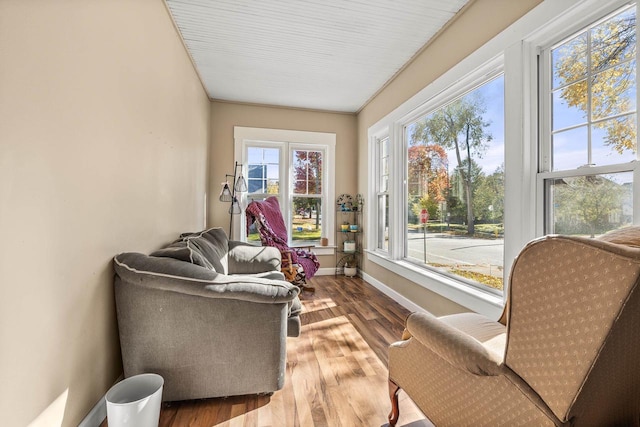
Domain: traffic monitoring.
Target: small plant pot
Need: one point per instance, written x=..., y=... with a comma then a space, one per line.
x=344, y=227
x=350, y=271
x=350, y=246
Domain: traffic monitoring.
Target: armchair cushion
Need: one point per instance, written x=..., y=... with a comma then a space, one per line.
x=456, y=346
x=628, y=236
x=249, y=259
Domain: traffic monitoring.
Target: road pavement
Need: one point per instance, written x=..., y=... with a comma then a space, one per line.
x=467, y=252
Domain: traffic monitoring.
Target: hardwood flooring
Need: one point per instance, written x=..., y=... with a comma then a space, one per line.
x=336, y=369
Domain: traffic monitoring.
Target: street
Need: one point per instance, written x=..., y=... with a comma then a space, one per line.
x=463, y=251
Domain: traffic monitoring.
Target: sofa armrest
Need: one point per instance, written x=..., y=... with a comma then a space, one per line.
x=172, y=275
x=454, y=346
x=249, y=259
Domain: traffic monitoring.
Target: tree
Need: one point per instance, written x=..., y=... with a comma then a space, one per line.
x=489, y=197
x=584, y=204
x=427, y=171
x=425, y=202
x=612, y=87
x=459, y=125
x=307, y=175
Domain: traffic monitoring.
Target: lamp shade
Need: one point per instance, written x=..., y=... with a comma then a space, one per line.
x=235, y=207
x=225, y=194
x=241, y=184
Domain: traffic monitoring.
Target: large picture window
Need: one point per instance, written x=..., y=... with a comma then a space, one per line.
x=589, y=143
x=533, y=133
x=455, y=186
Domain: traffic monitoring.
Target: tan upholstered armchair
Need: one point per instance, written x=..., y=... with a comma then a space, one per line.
x=566, y=352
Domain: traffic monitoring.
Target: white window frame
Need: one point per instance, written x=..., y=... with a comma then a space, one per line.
x=288, y=141
x=543, y=43
x=377, y=232
x=517, y=48
x=395, y=259
x=474, y=80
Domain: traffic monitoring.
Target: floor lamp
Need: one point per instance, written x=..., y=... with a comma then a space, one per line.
x=231, y=192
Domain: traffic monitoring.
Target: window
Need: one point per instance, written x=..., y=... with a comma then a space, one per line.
x=263, y=171
x=263, y=176
x=307, y=195
x=383, y=194
x=296, y=167
x=455, y=186
x=588, y=142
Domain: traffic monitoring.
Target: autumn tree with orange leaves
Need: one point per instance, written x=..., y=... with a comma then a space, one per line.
x=460, y=126
x=427, y=176
x=596, y=73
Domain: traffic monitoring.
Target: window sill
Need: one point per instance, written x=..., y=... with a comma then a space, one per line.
x=475, y=299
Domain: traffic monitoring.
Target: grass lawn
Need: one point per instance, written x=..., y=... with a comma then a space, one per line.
x=304, y=229
x=486, y=279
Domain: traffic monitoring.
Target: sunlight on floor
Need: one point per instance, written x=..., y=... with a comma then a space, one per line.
x=309, y=306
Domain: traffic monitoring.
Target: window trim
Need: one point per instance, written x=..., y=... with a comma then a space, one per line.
x=483, y=75
x=287, y=141
x=544, y=41
x=377, y=164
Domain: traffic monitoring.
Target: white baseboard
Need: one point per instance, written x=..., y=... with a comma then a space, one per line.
x=403, y=301
x=98, y=413
x=326, y=271
x=96, y=416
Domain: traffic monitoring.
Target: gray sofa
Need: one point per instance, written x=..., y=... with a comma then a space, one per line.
x=208, y=314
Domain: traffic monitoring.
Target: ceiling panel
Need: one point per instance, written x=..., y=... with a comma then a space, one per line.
x=319, y=54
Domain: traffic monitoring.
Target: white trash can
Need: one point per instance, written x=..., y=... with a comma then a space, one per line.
x=135, y=401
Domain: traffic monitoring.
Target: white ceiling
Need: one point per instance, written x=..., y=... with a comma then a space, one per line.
x=320, y=54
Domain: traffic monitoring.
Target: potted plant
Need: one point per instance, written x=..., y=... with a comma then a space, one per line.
x=350, y=269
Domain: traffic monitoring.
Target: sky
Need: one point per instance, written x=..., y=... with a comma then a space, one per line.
x=493, y=157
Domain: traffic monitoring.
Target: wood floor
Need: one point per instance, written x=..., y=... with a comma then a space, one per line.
x=336, y=369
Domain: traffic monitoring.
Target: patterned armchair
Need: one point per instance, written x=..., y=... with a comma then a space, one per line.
x=297, y=264
x=565, y=352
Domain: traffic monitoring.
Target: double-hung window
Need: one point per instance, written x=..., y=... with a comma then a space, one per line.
x=438, y=178
x=588, y=139
x=382, y=193
x=297, y=168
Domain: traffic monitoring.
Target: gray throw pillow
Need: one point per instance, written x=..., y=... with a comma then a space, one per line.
x=213, y=244
x=184, y=252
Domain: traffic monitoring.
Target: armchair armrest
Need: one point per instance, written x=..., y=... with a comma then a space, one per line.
x=454, y=346
x=172, y=275
x=249, y=259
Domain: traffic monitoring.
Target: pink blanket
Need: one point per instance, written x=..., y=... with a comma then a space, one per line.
x=273, y=232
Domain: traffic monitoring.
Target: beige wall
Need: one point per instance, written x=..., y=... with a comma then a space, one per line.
x=104, y=130
x=224, y=116
x=477, y=24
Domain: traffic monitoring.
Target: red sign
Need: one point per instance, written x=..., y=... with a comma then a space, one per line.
x=424, y=216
